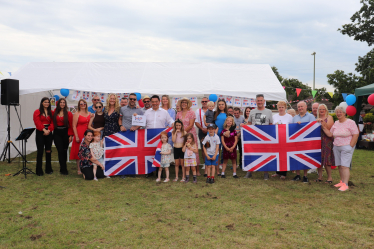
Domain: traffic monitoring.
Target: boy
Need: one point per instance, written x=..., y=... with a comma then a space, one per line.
x=209, y=114
x=211, y=146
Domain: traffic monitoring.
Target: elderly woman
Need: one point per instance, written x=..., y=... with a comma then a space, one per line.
x=281, y=118
x=292, y=112
x=86, y=158
x=345, y=133
x=327, y=155
x=111, y=115
x=187, y=116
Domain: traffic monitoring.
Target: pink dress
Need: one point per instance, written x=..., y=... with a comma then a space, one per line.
x=186, y=122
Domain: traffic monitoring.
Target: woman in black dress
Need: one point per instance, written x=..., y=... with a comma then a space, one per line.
x=111, y=115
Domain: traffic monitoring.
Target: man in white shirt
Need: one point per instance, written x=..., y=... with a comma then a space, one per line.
x=199, y=122
x=157, y=117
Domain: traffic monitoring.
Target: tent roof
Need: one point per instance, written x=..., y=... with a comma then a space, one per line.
x=365, y=90
x=242, y=80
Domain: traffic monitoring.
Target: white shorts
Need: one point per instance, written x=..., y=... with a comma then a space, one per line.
x=343, y=155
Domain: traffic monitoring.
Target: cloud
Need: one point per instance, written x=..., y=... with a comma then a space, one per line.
x=279, y=33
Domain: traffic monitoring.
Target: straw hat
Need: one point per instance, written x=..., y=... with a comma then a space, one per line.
x=146, y=97
x=189, y=103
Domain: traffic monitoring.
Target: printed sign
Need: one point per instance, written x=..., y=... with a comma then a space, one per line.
x=76, y=95
x=229, y=100
x=223, y=97
x=93, y=94
x=103, y=97
x=194, y=101
x=245, y=102
x=238, y=101
x=86, y=96
x=139, y=120
x=253, y=103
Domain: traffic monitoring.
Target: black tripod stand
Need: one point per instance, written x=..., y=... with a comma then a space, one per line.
x=25, y=134
x=3, y=156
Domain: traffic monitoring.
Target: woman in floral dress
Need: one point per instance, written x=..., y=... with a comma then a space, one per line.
x=111, y=115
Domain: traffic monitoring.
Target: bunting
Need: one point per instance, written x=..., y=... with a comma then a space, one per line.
x=331, y=94
x=298, y=91
x=314, y=93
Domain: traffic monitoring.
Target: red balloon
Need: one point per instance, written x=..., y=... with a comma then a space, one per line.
x=351, y=110
x=141, y=104
x=371, y=99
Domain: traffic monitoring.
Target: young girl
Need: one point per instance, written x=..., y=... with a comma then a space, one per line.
x=189, y=149
x=97, y=151
x=165, y=156
x=229, y=146
x=177, y=138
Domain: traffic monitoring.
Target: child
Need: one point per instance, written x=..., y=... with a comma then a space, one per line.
x=165, y=157
x=177, y=138
x=209, y=114
x=211, y=148
x=97, y=151
x=229, y=146
x=189, y=149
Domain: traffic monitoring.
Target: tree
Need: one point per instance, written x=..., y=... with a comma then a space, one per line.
x=365, y=66
x=361, y=28
x=275, y=71
x=322, y=94
x=291, y=84
x=343, y=83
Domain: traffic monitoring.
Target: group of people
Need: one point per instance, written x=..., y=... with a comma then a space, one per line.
x=218, y=133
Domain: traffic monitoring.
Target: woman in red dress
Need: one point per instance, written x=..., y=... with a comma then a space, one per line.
x=44, y=126
x=63, y=132
x=80, y=124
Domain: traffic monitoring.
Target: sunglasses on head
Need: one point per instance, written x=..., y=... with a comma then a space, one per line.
x=132, y=99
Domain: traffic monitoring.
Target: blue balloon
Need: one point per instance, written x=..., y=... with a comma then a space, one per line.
x=56, y=97
x=350, y=99
x=64, y=92
x=213, y=97
x=138, y=96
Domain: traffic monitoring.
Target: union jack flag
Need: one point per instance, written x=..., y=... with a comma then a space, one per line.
x=131, y=152
x=282, y=147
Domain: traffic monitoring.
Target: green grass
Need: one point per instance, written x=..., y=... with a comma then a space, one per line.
x=68, y=212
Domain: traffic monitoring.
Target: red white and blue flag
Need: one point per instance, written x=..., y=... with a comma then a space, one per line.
x=282, y=147
x=132, y=152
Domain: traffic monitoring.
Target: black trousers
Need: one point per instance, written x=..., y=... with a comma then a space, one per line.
x=61, y=140
x=43, y=143
x=89, y=175
x=239, y=145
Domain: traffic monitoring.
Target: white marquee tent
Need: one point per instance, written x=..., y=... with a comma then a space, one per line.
x=39, y=79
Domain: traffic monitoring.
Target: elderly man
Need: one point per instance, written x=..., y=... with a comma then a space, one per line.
x=260, y=116
x=315, y=109
x=303, y=117
x=92, y=108
x=147, y=103
x=124, y=102
x=199, y=122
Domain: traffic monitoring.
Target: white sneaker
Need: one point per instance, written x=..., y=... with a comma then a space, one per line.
x=203, y=166
x=312, y=171
x=95, y=179
x=220, y=166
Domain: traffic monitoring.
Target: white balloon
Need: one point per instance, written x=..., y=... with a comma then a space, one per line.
x=344, y=105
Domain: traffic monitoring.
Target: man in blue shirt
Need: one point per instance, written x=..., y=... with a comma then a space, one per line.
x=92, y=108
x=303, y=117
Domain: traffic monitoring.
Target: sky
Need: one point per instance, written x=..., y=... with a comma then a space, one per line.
x=281, y=33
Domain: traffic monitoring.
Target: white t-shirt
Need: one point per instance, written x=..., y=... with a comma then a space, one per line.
x=199, y=119
x=213, y=140
x=285, y=119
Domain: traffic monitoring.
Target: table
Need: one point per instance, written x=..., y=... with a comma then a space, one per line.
x=366, y=144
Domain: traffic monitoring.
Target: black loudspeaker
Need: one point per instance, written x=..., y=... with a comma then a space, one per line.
x=9, y=92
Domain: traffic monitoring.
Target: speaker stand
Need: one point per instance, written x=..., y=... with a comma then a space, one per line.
x=6, y=150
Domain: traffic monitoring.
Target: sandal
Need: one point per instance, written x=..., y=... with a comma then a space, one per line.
x=183, y=180
x=176, y=179
x=167, y=180
x=329, y=182
x=282, y=177
x=158, y=180
x=318, y=180
x=275, y=175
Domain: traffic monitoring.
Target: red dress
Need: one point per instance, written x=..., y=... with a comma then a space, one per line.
x=186, y=122
x=82, y=126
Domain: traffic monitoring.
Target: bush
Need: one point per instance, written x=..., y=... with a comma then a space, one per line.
x=369, y=117
x=371, y=111
x=333, y=115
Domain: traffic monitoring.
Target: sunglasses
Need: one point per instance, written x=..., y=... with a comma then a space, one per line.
x=132, y=99
x=204, y=101
x=98, y=107
x=146, y=101
x=96, y=100
x=82, y=104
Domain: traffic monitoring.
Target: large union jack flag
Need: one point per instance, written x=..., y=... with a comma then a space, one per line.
x=282, y=147
x=131, y=152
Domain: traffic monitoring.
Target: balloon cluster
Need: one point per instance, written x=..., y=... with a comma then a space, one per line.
x=350, y=100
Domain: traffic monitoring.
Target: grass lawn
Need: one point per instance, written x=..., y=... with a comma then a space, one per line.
x=67, y=212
